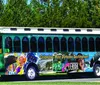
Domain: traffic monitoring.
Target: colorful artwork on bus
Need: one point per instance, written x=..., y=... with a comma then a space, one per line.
x=15, y=63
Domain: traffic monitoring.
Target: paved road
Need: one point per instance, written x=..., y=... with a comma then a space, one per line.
x=87, y=77
x=71, y=80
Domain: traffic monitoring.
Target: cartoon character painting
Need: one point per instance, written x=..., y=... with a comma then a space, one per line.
x=15, y=65
x=81, y=65
x=65, y=66
x=15, y=62
x=10, y=70
x=21, y=61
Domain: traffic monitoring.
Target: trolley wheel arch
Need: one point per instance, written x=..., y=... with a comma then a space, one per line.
x=30, y=68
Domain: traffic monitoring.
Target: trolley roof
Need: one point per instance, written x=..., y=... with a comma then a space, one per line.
x=47, y=30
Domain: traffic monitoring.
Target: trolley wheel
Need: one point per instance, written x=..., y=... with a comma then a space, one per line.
x=31, y=73
x=96, y=70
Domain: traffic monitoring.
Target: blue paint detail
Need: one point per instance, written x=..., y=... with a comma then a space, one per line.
x=31, y=57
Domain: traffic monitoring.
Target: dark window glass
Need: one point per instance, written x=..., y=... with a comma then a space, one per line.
x=49, y=44
x=70, y=44
x=63, y=44
x=0, y=44
x=91, y=44
x=84, y=44
x=25, y=44
x=77, y=44
x=41, y=44
x=56, y=44
x=8, y=44
x=17, y=46
x=33, y=43
x=97, y=42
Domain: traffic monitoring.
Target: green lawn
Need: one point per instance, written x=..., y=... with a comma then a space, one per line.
x=49, y=83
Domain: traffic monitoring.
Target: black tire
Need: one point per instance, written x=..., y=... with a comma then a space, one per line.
x=96, y=70
x=31, y=73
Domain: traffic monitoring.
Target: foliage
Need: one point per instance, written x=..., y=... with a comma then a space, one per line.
x=50, y=13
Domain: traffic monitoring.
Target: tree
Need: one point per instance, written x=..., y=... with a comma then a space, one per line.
x=95, y=13
x=1, y=11
x=17, y=13
x=50, y=13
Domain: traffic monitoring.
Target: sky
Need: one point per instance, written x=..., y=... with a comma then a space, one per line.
x=5, y=1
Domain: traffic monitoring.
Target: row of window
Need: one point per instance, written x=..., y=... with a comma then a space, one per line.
x=49, y=45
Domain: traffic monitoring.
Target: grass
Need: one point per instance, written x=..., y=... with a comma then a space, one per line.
x=49, y=83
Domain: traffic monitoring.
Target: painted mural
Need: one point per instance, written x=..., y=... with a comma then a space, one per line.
x=48, y=62
x=15, y=62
